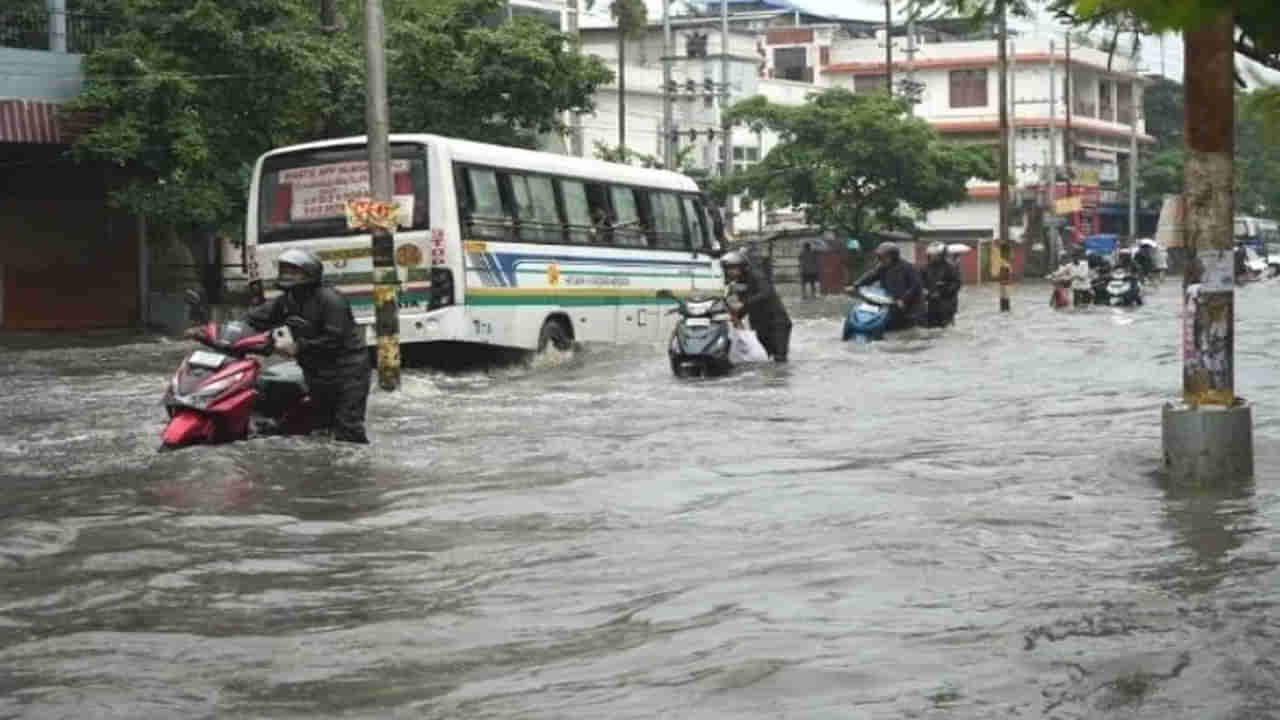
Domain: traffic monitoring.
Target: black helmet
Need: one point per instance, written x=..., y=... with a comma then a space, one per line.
x=305, y=269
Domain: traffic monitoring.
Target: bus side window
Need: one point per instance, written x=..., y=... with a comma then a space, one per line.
x=602, y=216
x=695, y=222
x=487, y=217
x=630, y=229
x=668, y=226
x=536, y=210
x=577, y=212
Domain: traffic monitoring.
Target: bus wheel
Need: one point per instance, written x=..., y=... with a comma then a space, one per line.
x=555, y=333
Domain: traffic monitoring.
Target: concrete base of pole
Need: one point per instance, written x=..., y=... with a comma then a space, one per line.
x=1209, y=445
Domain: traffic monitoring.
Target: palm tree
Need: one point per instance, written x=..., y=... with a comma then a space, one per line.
x=631, y=17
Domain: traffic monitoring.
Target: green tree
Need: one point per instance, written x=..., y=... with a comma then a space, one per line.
x=853, y=161
x=451, y=74
x=1257, y=159
x=190, y=92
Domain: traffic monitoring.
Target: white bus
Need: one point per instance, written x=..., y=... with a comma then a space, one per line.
x=495, y=245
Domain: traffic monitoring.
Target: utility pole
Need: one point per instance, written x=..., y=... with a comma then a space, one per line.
x=668, y=132
x=57, y=25
x=1136, y=98
x=1013, y=111
x=1208, y=440
x=1003, y=92
x=914, y=91
x=725, y=127
x=1052, y=192
x=386, y=281
x=575, y=120
x=622, y=93
x=1069, y=91
x=888, y=46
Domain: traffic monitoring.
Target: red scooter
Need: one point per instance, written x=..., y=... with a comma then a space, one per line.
x=222, y=393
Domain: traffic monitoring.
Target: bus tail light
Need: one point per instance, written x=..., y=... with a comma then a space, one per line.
x=441, y=288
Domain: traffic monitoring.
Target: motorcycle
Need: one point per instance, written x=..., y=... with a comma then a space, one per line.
x=222, y=393
x=869, y=314
x=1122, y=288
x=701, y=340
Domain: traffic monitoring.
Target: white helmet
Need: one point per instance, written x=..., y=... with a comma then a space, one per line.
x=733, y=257
x=935, y=249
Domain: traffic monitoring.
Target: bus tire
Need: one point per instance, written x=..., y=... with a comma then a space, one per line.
x=556, y=334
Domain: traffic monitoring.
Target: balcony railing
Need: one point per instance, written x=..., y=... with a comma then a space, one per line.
x=29, y=30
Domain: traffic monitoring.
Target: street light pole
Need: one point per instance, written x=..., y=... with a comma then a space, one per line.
x=386, y=281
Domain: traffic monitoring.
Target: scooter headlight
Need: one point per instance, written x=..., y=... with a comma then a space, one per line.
x=203, y=395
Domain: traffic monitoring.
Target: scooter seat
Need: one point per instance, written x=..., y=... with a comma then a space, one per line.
x=280, y=386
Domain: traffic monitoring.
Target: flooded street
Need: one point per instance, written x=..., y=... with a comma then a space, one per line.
x=964, y=526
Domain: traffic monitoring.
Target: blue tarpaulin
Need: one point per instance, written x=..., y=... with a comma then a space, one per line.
x=1100, y=244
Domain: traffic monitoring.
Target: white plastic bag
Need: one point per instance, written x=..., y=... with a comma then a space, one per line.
x=745, y=347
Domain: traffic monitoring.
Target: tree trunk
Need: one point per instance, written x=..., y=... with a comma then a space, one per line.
x=1208, y=372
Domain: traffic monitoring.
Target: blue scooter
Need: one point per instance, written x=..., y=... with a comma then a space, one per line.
x=868, y=315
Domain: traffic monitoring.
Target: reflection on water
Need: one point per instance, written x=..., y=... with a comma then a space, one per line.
x=959, y=524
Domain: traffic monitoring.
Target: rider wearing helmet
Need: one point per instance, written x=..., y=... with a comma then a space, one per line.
x=760, y=303
x=942, y=287
x=330, y=346
x=900, y=280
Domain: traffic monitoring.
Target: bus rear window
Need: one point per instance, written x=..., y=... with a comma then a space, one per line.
x=303, y=195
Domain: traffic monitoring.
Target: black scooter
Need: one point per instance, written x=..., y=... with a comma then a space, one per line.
x=700, y=343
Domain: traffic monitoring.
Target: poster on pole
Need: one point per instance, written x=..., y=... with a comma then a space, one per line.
x=1208, y=342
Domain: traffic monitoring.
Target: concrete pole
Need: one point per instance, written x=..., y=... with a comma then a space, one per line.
x=725, y=127
x=888, y=47
x=668, y=139
x=1013, y=112
x=1208, y=440
x=386, y=281
x=57, y=25
x=1051, y=192
x=1135, y=103
x=1002, y=93
x=911, y=57
x=1067, y=149
x=576, y=141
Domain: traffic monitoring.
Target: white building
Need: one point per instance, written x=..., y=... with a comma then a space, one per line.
x=958, y=96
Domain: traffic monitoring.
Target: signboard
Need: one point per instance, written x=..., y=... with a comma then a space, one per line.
x=1067, y=205
x=1087, y=176
x=1110, y=172
x=320, y=192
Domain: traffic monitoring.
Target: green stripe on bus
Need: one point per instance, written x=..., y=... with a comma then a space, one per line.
x=566, y=300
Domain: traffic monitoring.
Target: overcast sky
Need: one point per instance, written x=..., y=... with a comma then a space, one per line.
x=1157, y=56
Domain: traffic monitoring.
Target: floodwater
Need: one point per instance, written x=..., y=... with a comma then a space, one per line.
x=969, y=525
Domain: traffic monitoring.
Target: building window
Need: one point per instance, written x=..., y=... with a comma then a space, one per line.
x=968, y=88
x=791, y=63
x=868, y=84
x=744, y=158
x=1104, y=101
